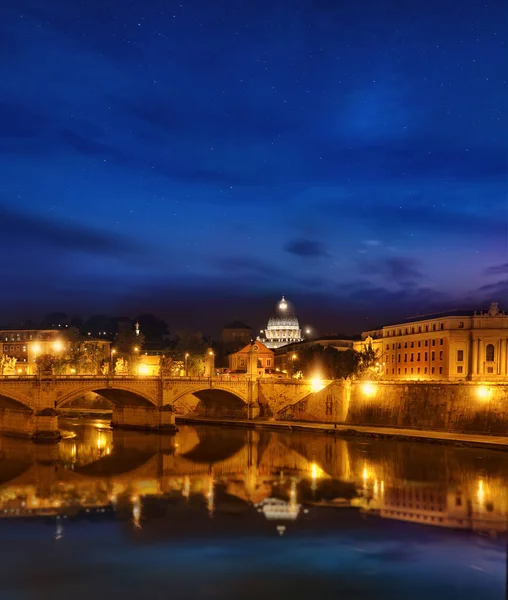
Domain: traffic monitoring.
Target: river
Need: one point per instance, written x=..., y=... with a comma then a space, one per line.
x=229, y=513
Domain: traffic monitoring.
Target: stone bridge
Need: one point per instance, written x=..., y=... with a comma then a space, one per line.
x=29, y=404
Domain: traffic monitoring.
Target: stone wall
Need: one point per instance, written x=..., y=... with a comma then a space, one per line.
x=135, y=417
x=274, y=397
x=465, y=407
x=18, y=422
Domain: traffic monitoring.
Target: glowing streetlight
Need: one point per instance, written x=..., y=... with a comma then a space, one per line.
x=484, y=392
x=136, y=348
x=36, y=348
x=369, y=389
x=294, y=357
x=58, y=346
x=143, y=369
x=186, y=357
x=316, y=384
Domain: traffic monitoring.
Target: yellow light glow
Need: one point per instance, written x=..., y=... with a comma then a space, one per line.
x=143, y=369
x=316, y=385
x=314, y=470
x=365, y=474
x=101, y=440
x=36, y=348
x=73, y=371
x=57, y=346
x=484, y=392
x=186, y=355
x=210, y=352
x=136, y=349
x=294, y=357
x=369, y=389
x=19, y=370
x=113, y=351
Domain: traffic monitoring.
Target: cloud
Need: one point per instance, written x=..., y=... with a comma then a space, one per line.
x=497, y=270
x=62, y=235
x=305, y=248
x=401, y=270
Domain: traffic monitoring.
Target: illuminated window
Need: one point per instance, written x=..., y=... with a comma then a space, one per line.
x=460, y=355
x=489, y=352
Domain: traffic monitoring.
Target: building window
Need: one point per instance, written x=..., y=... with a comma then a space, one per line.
x=412, y=329
x=433, y=327
x=412, y=344
x=419, y=344
x=398, y=371
x=441, y=341
x=420, y=329
x=426, y=328
x=460, y=355
x=399, y=346
x=418, y=357
x=405, y=344
x=461, y=324
x=442, y=326
x=425, y=370
x=393, y=371
x=433, y=342
x=433, y=356
x=418, y=370
x=398, y=358
x=426, y=343
x=405, y=357
x=426, y=356
x=433, y=370
x=411, y=370
x=268, y=362
x=490, y=369
x=440, y=355
x=405, y=371
x=460, y=369
x=440, y=370
x=489, y=353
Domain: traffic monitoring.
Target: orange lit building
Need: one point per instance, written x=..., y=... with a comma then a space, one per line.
x=454, y=346
x=239, y=361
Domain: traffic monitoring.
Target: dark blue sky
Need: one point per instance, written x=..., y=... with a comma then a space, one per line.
x=200, y=158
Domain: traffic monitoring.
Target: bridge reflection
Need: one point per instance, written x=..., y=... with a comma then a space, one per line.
x=98, y=470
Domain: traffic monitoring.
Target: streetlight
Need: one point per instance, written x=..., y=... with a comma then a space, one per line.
x=136, y=349
x=113, y=352
x=185, y=358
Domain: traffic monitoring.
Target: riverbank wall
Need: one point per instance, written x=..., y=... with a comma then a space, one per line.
x=455, y=407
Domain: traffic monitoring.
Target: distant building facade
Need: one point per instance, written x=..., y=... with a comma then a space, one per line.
x=282, y=328
x=235, y=335
x=456, y=345
x=241, y=361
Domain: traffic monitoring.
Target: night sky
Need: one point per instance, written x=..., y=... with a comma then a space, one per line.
x=198, y=159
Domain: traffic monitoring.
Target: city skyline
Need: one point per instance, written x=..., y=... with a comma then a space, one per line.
x=197, y=161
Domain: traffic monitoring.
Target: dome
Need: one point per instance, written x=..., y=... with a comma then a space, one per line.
x=283, y=326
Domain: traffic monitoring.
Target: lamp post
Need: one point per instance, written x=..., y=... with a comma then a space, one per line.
x=113, y=352
x=186, y=369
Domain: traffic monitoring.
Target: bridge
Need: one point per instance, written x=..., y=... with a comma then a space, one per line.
x=29, y=404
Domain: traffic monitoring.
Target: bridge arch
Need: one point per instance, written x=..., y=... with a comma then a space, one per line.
x=217, y=401
x=118, y=396
x=11, y=403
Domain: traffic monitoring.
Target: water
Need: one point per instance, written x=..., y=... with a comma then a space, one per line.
x=232, y=513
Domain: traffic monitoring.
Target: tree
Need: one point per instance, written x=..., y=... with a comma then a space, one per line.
x=54, y=320
x=129, y=346
x=153, y=328
x=328, y=362
x=195, y=346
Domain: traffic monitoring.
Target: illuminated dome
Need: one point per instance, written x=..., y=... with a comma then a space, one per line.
x=283, y=327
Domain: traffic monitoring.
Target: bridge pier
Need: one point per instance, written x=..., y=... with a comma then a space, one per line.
x=146, y=418
x=46, y=427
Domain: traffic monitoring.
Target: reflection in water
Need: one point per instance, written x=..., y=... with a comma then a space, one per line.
x=101, y=471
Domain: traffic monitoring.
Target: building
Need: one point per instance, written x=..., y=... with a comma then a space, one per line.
x=235, y=335
x=285, y=355
x=283, y=327
x=455, y=345
x=26, y=345
x=239, y=361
